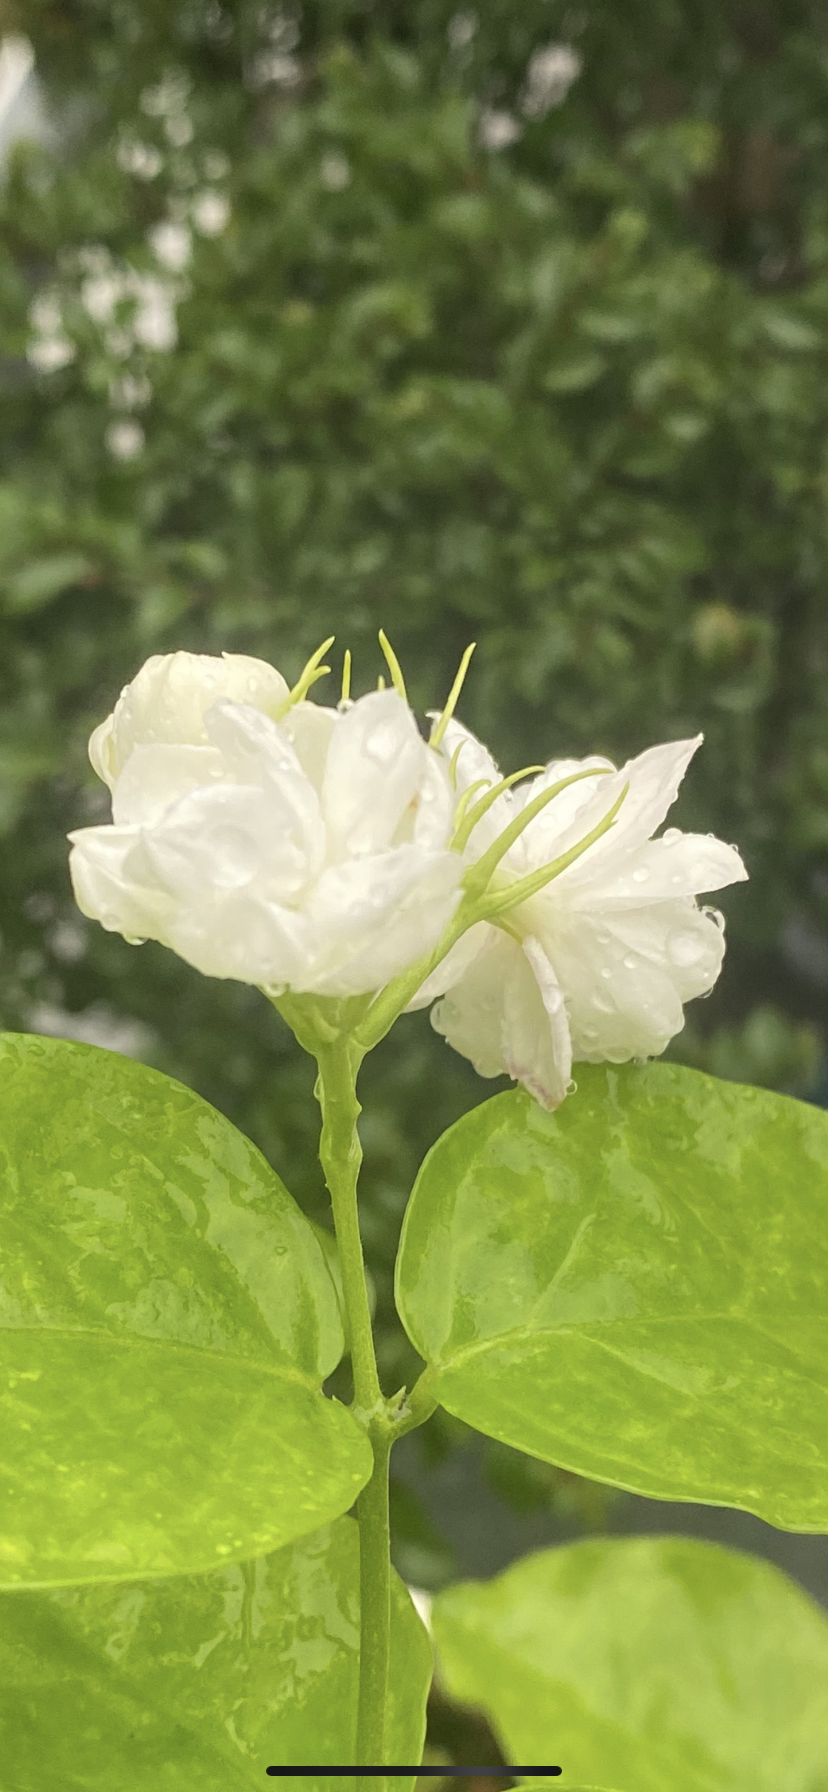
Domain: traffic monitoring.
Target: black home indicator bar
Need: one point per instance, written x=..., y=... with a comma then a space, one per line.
x=441, y=1773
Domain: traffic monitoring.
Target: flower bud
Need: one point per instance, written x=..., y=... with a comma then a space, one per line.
x=168, y=700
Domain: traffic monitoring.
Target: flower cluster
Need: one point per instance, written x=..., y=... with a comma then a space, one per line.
x=327, y=851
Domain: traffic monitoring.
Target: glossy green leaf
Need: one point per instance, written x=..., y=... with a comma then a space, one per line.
x=646, y=1664
x=635, y=1287
x=203, y=1682
x=166, y=1321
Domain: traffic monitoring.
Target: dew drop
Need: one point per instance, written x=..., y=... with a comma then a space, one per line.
x=606, y=971
x=252, y=686
x=641, y=874
x=630, y=961
x=590, y=1034
x=685, y=949
x=671, y=834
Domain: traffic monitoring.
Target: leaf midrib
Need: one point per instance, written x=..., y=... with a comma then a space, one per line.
x=532, y=1334
x=283, y=1371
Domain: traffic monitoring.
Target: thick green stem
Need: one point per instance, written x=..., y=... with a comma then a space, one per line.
x=341, y=1156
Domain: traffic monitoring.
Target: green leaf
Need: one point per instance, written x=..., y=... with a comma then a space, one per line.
x=648, y=1664
x=204, y=1682
x=166, y=1321
x=634, y=1287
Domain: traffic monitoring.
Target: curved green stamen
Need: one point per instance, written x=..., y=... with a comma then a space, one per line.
x=393, y=665
x=479, y=876
x=451, y=700
x=503, y=900
x=466, y=819
x=307, y=677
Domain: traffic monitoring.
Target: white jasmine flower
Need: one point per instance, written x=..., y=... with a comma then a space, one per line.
x=596, y=965
x=265, y=838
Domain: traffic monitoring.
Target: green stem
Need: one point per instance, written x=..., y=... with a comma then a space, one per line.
x=375, y=1616
x=341, y=1156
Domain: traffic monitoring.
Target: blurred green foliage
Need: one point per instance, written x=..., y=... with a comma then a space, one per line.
x=508, y=324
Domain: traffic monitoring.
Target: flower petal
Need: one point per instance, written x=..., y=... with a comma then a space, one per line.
x=627, y=973
x=454, y=966
x=226, y=838
x=474, y=764
x=239, y=934
x=106, y=890
x=310, y=728
x=507, y=1015
x=536, y=1037
x=653, y=779
x=156, y=777
x=373, y=772
x=376, y=915
x=662, y=870
x=167, y=700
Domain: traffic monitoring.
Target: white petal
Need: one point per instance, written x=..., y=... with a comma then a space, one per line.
x=237, y=934
x=102, y=755
x=107, y=892
x=473, y=764
x=377, y=915
x=373, y=772
x=536, y=1039
x=432, y=817
x=454, y=966
x=472, y=760
x=470, y=1016
x=257, y=751
x=167, y=700
x=252, y=745
x=310, y=727
x=227, y=838
x=627, y=973
x=155, y=777
x=675, y=865
x=507, y=1015
x=653, y=779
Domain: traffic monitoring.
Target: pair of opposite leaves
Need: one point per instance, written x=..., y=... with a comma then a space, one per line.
x=632, y=1287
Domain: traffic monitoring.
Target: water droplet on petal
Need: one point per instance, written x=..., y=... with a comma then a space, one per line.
x=572, y=1086
x=671, y=834
x=685, y=949
x=630, y=961
x=590, y=1034
x=641, y=874
x=606, y=971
